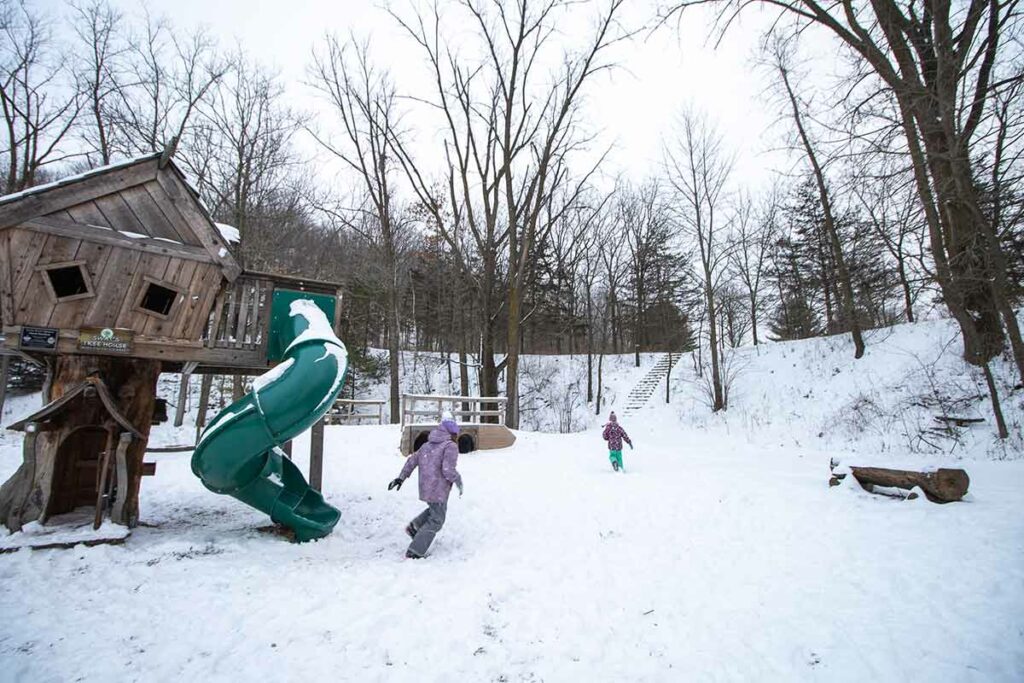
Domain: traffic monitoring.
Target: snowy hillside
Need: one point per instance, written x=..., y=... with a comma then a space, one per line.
x=814, y=393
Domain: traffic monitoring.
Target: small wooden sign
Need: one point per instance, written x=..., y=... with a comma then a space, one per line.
x=38, y=338
x=105, y=340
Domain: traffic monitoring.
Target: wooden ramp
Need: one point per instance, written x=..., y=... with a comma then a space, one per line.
x=421, y=413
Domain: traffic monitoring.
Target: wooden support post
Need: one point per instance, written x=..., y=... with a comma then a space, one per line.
x=287, y=448
x=316, y=455
x=179, y=411
x=5, y=370
x=204, y=403
x=636, y=350
x=121, y=513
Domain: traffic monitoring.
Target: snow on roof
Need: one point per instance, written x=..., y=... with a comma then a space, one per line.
x=229, y=233
x=77, y=177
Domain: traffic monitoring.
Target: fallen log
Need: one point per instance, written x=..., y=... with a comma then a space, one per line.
x=958, y=421
x=944, y=485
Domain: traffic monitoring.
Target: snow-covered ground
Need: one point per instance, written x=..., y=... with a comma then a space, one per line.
x=707, y=560
x=720, y=555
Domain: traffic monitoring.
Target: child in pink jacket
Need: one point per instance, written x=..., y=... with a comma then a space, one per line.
x=614, y=434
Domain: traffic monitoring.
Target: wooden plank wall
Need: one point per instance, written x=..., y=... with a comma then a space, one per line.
x=155, y=208
x=118, y=280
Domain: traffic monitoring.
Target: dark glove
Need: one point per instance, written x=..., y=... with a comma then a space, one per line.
x=458, y=485
x=630, y=445
x=396, y=484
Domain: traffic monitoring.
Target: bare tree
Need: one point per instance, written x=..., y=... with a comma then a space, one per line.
x=240, y=152
x=698, y=169
x=39, y=106
x=172, y=75
x=510, y=128
x=944, y=65
x=894, y=216
x=363, y=101
x=781, y=61
x=754, y=238
x=102, y=47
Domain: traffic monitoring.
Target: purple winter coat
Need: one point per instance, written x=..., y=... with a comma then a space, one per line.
x=437, y=460
x=614, y=435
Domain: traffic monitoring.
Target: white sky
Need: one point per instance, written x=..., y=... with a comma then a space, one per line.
x=633, y=107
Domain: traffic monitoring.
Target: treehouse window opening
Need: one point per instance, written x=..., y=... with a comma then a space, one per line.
x=68, y=281
x=158, y=300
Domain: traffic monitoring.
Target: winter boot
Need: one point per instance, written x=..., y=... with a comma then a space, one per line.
x=615, y=465
x=410, y=530
x=413, y=556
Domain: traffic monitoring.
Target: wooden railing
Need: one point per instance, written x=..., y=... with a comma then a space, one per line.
x=344, y=411
x=463, y=408
x=241, y=316
x=238, y=330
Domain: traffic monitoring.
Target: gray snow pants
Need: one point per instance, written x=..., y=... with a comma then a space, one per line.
x=427, y=524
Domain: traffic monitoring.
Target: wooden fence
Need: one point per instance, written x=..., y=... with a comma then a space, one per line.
x=345, y=412
x=465, y=409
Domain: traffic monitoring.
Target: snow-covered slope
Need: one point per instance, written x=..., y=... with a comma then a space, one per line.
x=883, y=406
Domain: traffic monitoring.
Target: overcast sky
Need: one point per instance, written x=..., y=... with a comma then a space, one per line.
x=633, y=107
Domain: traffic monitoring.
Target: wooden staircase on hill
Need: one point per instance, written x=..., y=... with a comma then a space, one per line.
x=640, y=394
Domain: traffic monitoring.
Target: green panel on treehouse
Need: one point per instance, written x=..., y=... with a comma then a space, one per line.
x=281, y=333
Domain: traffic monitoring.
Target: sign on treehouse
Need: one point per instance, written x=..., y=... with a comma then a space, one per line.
x=105, y=340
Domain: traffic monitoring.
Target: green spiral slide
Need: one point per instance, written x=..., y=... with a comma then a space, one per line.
x=239, y=452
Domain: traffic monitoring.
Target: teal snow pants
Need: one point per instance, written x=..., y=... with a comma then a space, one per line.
x=615, y=457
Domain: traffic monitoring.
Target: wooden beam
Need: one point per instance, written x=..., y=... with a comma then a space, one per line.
x=74, y=230
x=5, y=369
x=75, y=191
x=204, y=403
x=179, y=410
x=157, y=348
x=118, y=514
x=6, y=281
x=316, y=455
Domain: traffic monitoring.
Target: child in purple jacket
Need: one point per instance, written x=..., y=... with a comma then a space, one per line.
x=614, y=434
x=437, y=459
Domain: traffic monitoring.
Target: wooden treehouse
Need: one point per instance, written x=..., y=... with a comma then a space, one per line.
x=108, y=279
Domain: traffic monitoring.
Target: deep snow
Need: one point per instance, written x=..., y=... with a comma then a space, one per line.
x=704, y=561
x=720, y=555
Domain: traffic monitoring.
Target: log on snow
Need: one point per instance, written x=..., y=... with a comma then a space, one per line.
x=941, y=486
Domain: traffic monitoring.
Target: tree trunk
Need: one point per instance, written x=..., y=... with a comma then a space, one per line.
x=717, y=398
x=393, y=354
x=908, y=299
x=994, y=396
x=845, y=286
x=753, y=316
x=513, y=341
x=941, y=486
x=54, y=476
